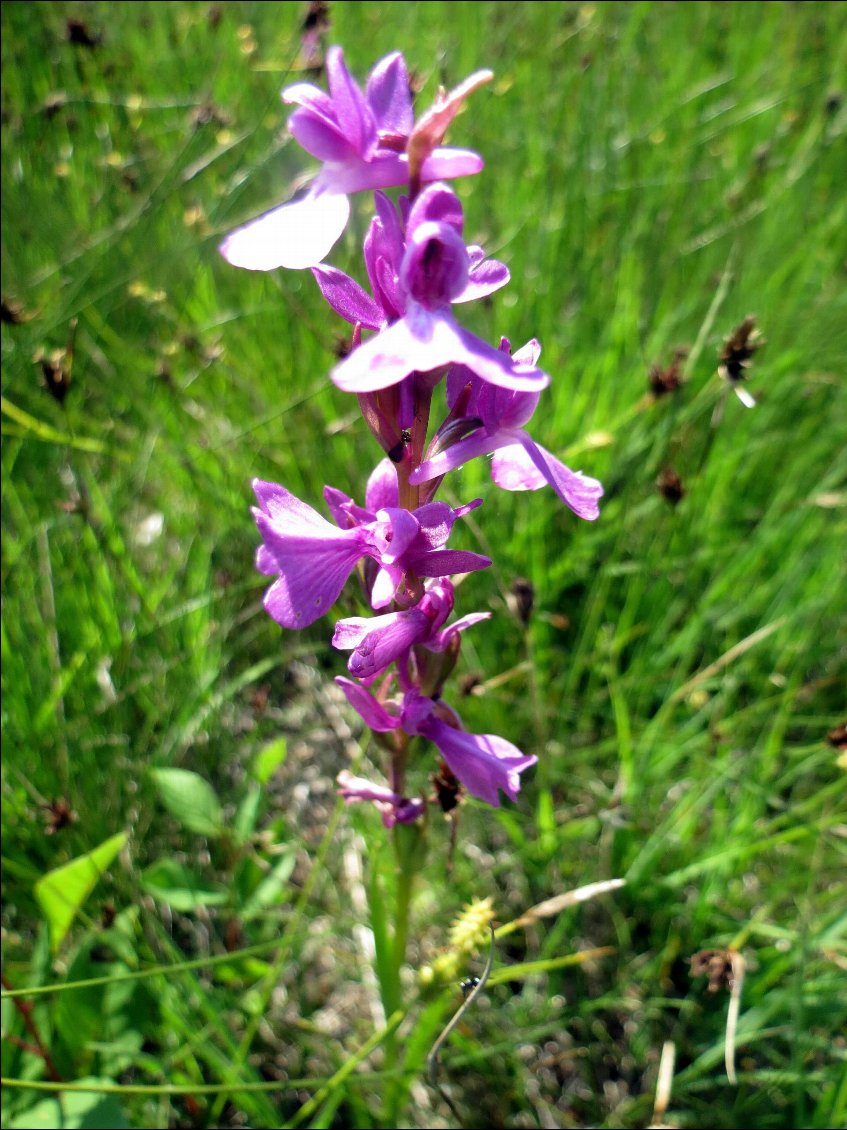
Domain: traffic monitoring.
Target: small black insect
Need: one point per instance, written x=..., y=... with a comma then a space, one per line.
x=468, y=985
x=399, y=449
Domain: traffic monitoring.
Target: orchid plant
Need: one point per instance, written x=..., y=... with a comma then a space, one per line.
x=406, y=343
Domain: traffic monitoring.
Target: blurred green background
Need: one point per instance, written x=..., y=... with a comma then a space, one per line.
x=654, y=174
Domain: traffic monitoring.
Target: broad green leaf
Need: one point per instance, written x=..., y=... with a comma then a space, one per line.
x=269, y=759
x=62, y=892
x=191, y=800
x=179, y=887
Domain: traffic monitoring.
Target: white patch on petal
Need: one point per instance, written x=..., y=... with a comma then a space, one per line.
x=296, y=236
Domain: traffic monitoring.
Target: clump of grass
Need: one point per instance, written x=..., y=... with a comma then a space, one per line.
x=663, y=171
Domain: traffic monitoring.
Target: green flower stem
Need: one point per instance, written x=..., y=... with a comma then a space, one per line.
x=409, y=850
x=390, y=925
x=409, y=496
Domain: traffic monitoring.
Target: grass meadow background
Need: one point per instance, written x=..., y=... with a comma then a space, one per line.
x=654, y=174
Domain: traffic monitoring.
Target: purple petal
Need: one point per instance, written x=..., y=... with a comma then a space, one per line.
x=378, y=642
x=435, y=264
x=383, y=250
x=528, y=354
x=278, y=504
x=467, y=507
x=447, y=562
x=457, y=378
x=310, y=96
x=358, y=788
x=347, y=298
x=355, y=119
x=295, y=235
x=395, y=530
x=388, y=95
x=426, y=340
x=484, y=763
x=387, y=358
x=380, y=170
x=309, y=586
x=392, y=807
x=410, y=811
x=385, y=281
x=445, y=164
x=382, y=490
x=349, y=633
x=322, y=138
x=375, y=716
x=385, y=585
x=513, y=469
x=417, y=708
x=435, y=521
x=437, y=603
x=484, y=279
x=392, y=240
x=442, y=639
x=344, y=510
x=503, y=408
x=437, y=204
x=313, y=558
x=496, y=367
x=528, y=466
x=472, y=446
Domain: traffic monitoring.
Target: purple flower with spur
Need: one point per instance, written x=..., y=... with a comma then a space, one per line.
x=434, y=272
x=378, y=641
x=313, y=558
x=393, y=808
x=489, y=419
x=361, y=139
x=484, y=763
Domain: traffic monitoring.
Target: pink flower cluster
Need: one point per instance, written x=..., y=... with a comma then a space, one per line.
x=419, y=269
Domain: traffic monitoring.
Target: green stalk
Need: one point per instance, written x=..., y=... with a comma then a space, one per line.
x=390, y=942
x=408, y=852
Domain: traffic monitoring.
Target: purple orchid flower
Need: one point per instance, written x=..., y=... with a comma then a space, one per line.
x=383, y=253
x=379, y=641
x=313, y=558
x=434, y=272
x=484, y=763
x=361, y=139
x=393, y=808
x=493, y=422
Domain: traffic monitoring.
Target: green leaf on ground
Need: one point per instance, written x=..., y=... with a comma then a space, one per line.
x=60, y=893
x=191, y=800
